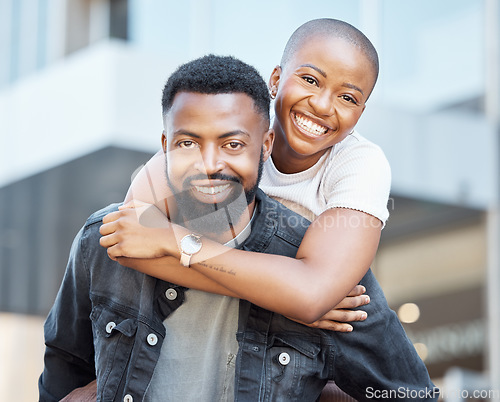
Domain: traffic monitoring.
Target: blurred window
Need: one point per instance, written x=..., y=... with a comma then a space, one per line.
x=118, y=21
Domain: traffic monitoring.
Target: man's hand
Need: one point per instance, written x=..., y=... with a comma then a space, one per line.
x=88, y=393
x=137, y=230
x=338, y=317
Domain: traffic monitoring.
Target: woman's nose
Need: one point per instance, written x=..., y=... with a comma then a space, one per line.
x=322, y=103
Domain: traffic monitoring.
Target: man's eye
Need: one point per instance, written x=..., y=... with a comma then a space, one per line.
x=233, y=145
x=186, y=144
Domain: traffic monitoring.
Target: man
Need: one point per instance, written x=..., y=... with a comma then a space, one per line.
x=146, y=339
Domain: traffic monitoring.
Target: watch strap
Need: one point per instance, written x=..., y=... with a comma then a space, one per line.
x=185, y=259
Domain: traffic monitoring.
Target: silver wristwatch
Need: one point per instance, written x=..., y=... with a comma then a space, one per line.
x=190, y=245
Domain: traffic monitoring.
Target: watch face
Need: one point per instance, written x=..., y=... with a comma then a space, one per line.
x=191, y=244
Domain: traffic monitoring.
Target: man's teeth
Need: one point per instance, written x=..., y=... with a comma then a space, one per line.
x=310, y=126
x=211, y=190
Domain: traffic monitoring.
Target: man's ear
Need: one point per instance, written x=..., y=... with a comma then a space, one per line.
x=267, y=145
x=164, y=141
x=274, y=81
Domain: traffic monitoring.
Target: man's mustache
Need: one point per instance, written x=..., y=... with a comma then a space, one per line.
x=214, y=176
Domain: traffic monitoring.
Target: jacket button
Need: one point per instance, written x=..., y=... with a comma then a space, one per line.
x=171, y=294
x=128, y=398
x=152, y=339
x=109, y=326
x=284, y=358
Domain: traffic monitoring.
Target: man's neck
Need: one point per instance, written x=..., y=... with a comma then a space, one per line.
x=231, y=222
x=236, y=229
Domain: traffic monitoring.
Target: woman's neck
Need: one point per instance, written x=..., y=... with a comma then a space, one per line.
x=287, y=161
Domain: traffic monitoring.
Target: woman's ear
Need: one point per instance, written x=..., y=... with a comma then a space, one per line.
x=267, y=145
x=274, y=81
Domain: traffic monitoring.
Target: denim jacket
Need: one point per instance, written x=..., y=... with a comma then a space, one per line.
x=107, y=323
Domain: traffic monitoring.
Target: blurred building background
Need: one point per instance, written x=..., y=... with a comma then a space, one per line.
x=80, y=90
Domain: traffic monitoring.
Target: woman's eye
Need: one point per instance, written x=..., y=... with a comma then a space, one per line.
x=310, y=80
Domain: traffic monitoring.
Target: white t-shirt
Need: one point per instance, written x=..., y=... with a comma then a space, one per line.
x=354, y=174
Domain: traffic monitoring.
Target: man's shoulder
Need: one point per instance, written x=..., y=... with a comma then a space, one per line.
x=89, y=233
x=97, y=216
x=270, y=207
x=286, y=224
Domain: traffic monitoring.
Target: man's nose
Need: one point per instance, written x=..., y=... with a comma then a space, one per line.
x=322, y=103
x=210, y=160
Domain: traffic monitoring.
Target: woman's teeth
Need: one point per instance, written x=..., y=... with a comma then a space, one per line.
x=310, y=126
x=211, y=190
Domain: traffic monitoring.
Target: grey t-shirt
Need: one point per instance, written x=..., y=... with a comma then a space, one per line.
x=197, y=358
x=197, y=361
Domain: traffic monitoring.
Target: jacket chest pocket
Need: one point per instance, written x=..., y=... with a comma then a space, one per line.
x=114, y=335
x=296, y=368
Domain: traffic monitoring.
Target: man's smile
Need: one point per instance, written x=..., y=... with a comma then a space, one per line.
x=308, y=126
x=212, y=191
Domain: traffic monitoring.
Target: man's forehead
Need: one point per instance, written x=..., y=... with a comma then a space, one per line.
x=214, y=109
x=209, y=117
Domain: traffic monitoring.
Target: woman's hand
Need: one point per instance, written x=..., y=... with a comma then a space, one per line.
x=337, y=319
x=136, y=230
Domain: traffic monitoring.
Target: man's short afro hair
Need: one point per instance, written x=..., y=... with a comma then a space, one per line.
x=217, y=75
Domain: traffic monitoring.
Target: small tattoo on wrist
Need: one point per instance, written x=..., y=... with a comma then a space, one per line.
x=217, y=268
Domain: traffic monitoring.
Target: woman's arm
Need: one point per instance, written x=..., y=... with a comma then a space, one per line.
x=149, y=185
x=304, y=288
x=168, y=268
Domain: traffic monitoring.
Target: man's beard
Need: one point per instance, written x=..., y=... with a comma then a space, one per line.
x=213, y=218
